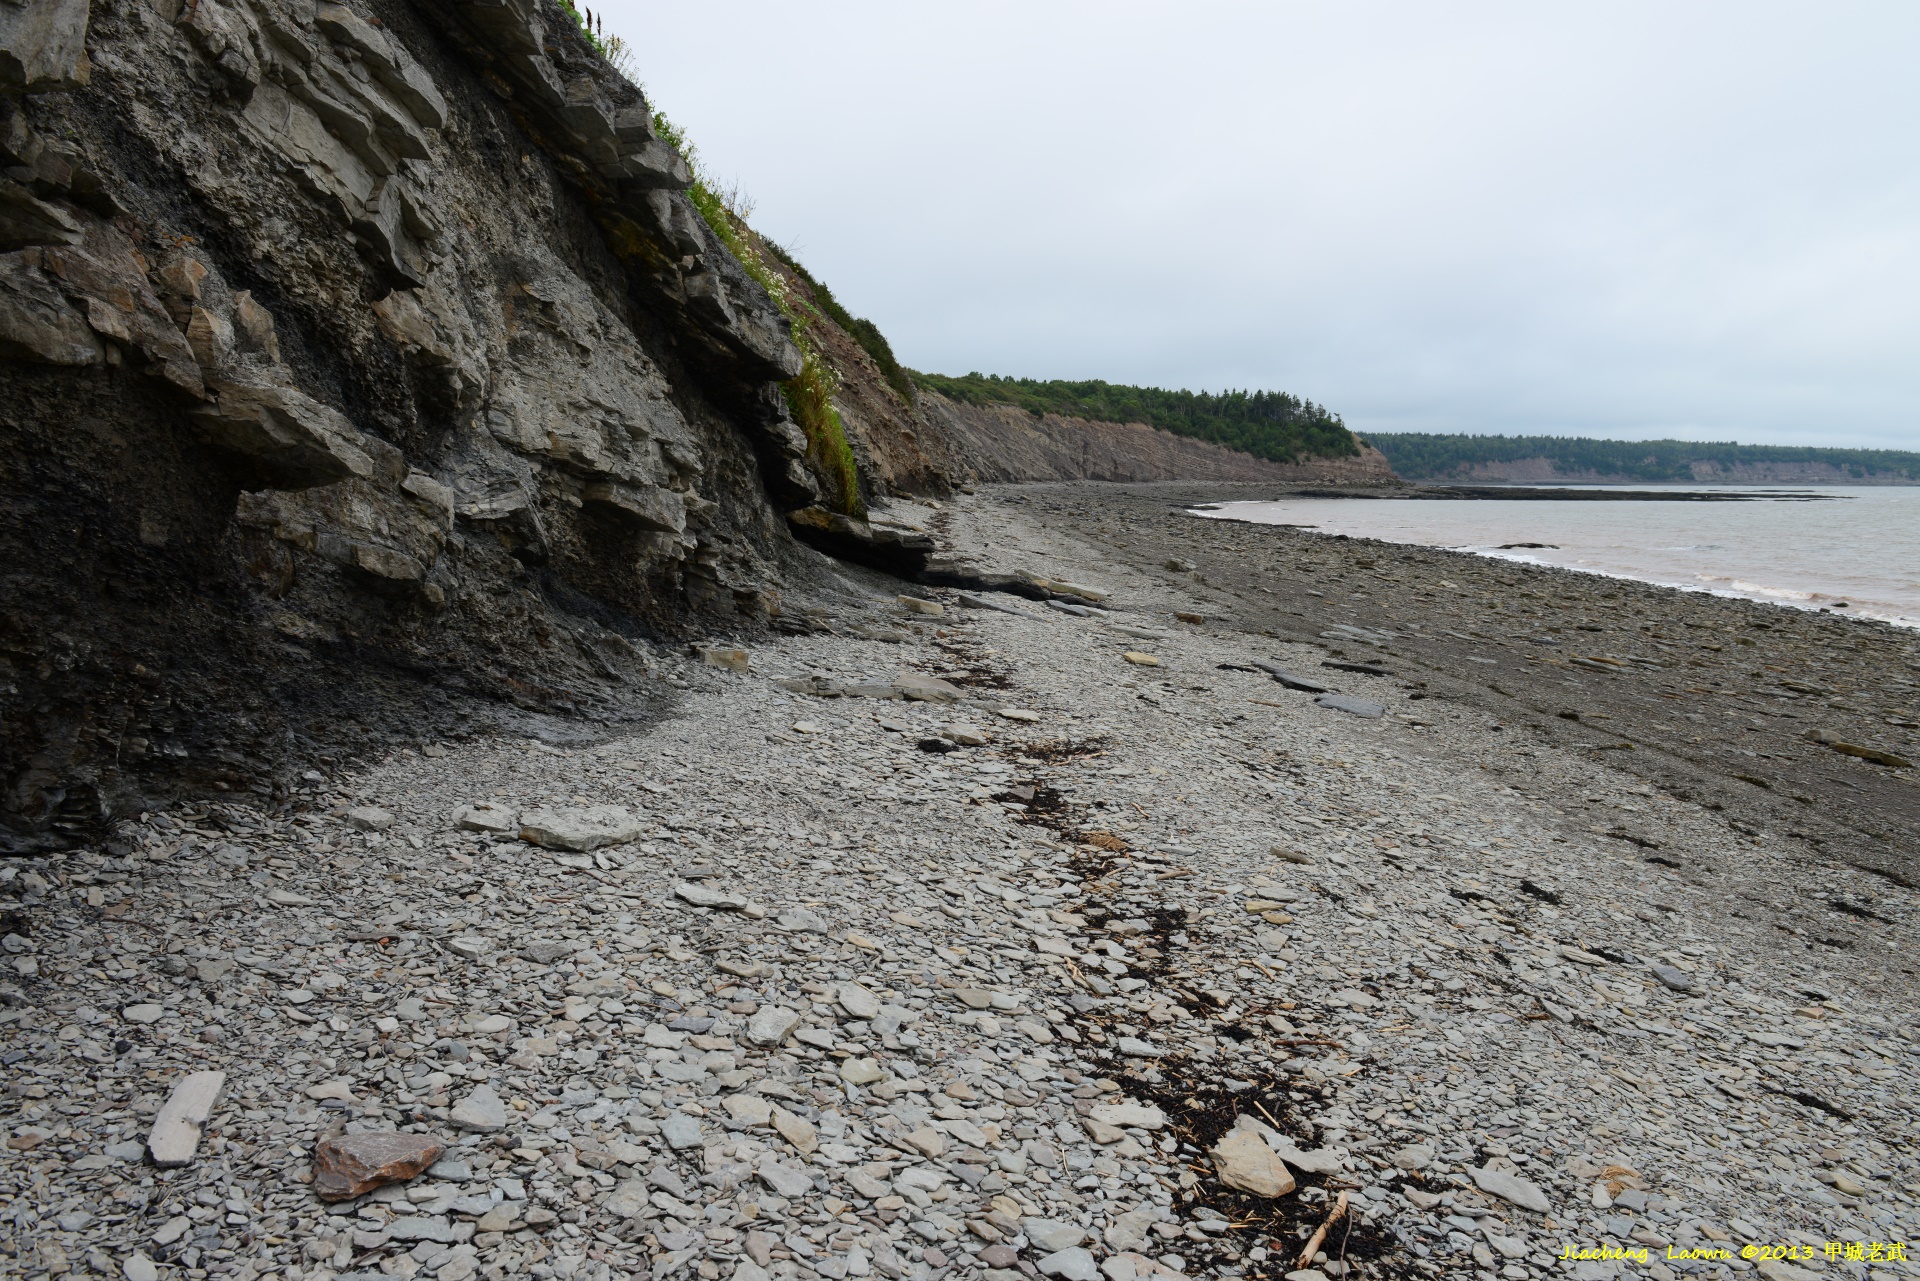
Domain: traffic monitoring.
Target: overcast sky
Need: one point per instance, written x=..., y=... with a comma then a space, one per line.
x=1623, y=219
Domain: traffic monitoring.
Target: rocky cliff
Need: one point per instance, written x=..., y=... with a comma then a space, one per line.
x=1003, y=443
x=933, y=443
x=367, y=375
x=363, y=371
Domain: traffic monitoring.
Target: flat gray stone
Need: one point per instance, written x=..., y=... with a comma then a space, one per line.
x=1678, y=980
x=784, y=1179
x=803, y=919
x=370, y=818
x=701, y=895
x=1351, y=705
x=1135, y=1048
x=481, y=1111
x=1072, y=1264
x=1051, y=1235
x=681, y=1131
x=176, y=1130
x=421, y=1227
x=1511, y=1187
x=771, y=1024
x=1244, y=1160
x=587, y=827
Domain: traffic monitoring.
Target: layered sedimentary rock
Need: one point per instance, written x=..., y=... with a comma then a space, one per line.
x=366, y=374
x=1003, y=443
x=361, y=366
x=934, y=444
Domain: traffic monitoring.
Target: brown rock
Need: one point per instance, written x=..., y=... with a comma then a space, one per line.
x=352, y=1164
x=999, y=1256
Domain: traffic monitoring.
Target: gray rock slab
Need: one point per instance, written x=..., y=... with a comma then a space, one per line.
x=1351, y=705
x=482, y=1111
x=421, y=1227
x=1291, y=680
x=1051, y=1235
x=176, y=1130
x=701, y=895
x=681, y=1131
x=1511, y=1187
x=784, y=1179
x=587, y=827
x=1073, y=1264
x=1677, y=980
x=771, y=1024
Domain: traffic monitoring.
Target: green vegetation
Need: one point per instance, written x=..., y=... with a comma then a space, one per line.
x=1421, y=456
x=862, y=331
x=809, y=394
x=617, y=52
x=1267, y=424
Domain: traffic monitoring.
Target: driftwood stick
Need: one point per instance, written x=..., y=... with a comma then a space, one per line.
x=1319, y=1236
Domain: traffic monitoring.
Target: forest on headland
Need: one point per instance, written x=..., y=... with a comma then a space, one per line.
x=1273, y=425
x=1427, y=456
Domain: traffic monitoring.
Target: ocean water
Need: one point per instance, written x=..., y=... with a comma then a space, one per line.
x=1818, y=548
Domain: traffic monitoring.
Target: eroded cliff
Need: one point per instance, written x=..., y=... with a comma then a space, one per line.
x=1003, y=443
x=367, y=375
x=364, y=371
x=932, y=443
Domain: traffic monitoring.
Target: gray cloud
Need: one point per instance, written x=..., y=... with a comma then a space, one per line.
x=1626, y=220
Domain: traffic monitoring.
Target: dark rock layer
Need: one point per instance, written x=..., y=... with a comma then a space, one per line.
x=367, y=376
x=364, y=374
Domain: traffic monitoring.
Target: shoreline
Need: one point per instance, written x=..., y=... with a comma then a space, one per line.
x=1754, y=598
x=970, y=938
x=1486, y=620
x=1858, y=604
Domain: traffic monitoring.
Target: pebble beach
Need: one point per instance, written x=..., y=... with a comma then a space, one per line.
x=1186, y=922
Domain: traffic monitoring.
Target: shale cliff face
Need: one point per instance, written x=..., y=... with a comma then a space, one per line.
x=362, y=369
x=366, y=374
x=1003, y=443
x=936, y=444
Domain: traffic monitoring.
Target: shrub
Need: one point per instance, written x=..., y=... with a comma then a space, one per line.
x=809, y=395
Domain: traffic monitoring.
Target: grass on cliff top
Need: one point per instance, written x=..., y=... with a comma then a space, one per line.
x=617, y=52
x=860, y=329
x=809, y=395
x=1267, y=424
